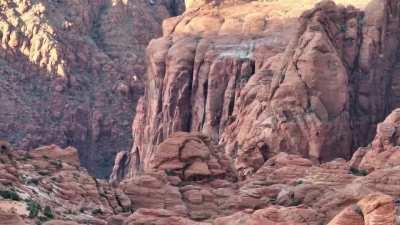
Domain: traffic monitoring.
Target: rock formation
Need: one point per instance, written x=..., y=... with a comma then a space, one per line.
x=262, y=82
x=71, y=72
x=286, y=189
x=383, y=152
x=253, y=113
x=265, y=86
x=48, y=183
x=373, y=209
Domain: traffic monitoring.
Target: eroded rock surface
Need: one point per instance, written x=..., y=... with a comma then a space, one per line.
x=287, y=98
x=190, y=157
x=48, y=183
x=266, y=82
x=383, y=152
x=71, y=72
x=373, y=209
x=286, y=189
x=251, y=111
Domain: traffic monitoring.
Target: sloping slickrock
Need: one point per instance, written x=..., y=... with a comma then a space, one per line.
x=271, y=216
x=59, y=222
x=378, y=209
x=374, y=209
x=155, y=192
x=350, y=215
x=158, y=217
x=9, y=218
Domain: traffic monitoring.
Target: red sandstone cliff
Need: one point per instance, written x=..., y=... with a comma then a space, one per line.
x=71, y=72
x=253, y=113
x=259, y=81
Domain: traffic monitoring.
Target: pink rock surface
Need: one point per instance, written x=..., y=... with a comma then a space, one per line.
x=295, y=85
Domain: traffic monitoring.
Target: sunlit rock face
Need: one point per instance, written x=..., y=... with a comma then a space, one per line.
x=260, y=78
x=71, y=72
x=49, y=184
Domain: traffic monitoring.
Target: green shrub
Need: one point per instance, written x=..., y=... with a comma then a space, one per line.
x=295, y=202
x=358, y=172
x=48, y=213
x=10, y=194
x=33, y=208
x=298, y=182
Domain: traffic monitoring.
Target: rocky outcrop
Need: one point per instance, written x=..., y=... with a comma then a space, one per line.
x=159, y=217
x=48, y=183
x=155, y=192
x=373, y=209
x=186, y=156
x=71, y=72
x=383, y=152
x=250, y=112
x=272, y=215
x=286, y=189
x=239, y=79
x=190, y=157
x=10, y=218
x=187, y=89
x=309, y=107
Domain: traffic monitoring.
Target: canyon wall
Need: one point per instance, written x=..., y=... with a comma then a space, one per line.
x=71, y=72
x=263, y=78
x=253, y=112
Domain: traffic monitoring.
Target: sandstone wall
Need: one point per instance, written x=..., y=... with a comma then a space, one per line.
x=260, y=82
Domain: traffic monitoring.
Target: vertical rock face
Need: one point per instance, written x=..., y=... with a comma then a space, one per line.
x=313, y=106
x=377, y=76
x=71, y=72
x=262, y=83
x=193, y=81
x=383, y=152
